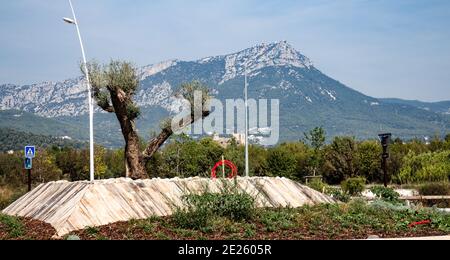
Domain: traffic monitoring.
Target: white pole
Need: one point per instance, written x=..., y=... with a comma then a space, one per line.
x=91, y=107
x=246, y=124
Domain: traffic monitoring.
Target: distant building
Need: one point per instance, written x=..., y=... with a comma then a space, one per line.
x=427, y=140
x=225, y=141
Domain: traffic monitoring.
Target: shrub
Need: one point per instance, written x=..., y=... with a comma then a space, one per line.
x=338, y=194
x=277, y=219
x=436, y=188
x=281, y=162
x=354, y=186
x=318, y=185
x=14, y=226
x=9, y=195
x=425, y=167
x=386, y=194
x=200, y=210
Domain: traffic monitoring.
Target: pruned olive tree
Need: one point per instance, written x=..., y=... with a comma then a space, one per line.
x=114, y=86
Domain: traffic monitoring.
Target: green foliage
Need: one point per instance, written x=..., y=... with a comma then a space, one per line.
x=316, y=137
x=115, y=161
x=186, y=157
x=277, y=219
x=19, y=128
x=337, y=194
x=92, y=231
x=281, y=162
x=354, y=186
x=13, y=226
x=114, y=86
x=11, y=173
x=357, y=217
x=368, y=160
x=8, y=195
x=410, y=162
x=435, y=189
x=318, y=185
x=133, y=111
x=386, y=194
x=200, y=210
x=16, y=140
x=425, y=167
x=188, y=91
x=258, y=164
x=115, y=76
x=340, y=160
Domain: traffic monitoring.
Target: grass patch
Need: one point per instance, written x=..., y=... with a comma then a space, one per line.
x=201, y=211
x=13, y=226
x=92, y=231
x=278, y=219
x=147, y=226
x=162, y=236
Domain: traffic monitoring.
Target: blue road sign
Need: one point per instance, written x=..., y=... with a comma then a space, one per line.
x=28, y=163
x=30, y=151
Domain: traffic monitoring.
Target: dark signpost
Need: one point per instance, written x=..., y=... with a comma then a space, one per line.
x=30, y=152
x=385, y=139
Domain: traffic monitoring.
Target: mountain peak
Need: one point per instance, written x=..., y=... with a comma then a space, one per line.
x=264, y=55
x=153, y=69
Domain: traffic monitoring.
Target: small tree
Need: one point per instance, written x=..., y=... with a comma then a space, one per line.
x=281, y=162
x=316, y=138
x=340, y=160
x=114, y=86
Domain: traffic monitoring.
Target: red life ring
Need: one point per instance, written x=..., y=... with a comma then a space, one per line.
x=227, y=163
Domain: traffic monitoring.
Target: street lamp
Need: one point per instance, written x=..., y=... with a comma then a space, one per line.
x=385, y=139
x=91, y=107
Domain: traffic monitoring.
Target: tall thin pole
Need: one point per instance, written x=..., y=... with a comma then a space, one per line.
x=246, y=124
x=91, y=107
x=385, y=181
x=29, y=180
x=223, y=166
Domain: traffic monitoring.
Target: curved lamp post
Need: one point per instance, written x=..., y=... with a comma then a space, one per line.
x=91, y=107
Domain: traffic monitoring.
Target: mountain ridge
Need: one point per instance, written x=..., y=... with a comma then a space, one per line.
x=277, y=70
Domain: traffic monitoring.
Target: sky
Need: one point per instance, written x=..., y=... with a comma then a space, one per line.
x=383, y=48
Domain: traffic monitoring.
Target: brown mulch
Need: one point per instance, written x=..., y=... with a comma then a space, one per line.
x=33, y=230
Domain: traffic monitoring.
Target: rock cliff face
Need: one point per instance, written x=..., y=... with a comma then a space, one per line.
x=308, y=98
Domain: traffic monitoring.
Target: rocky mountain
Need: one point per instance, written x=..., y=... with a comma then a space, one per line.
x=308, y=97
x=437, y=107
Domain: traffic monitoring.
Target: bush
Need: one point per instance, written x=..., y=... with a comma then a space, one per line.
x=9, y=195
x=338, y=194
x=200, y=210
x=386, y=194
x=436, y=189
x=425, y=167
x=14, y=226
x=354, y=186
x=318, y=185
x=433, y=189
x=276, y=219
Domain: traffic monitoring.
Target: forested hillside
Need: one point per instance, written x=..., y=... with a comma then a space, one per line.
x=16, y=140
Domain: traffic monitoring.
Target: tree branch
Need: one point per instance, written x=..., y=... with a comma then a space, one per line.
x=165, y=134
